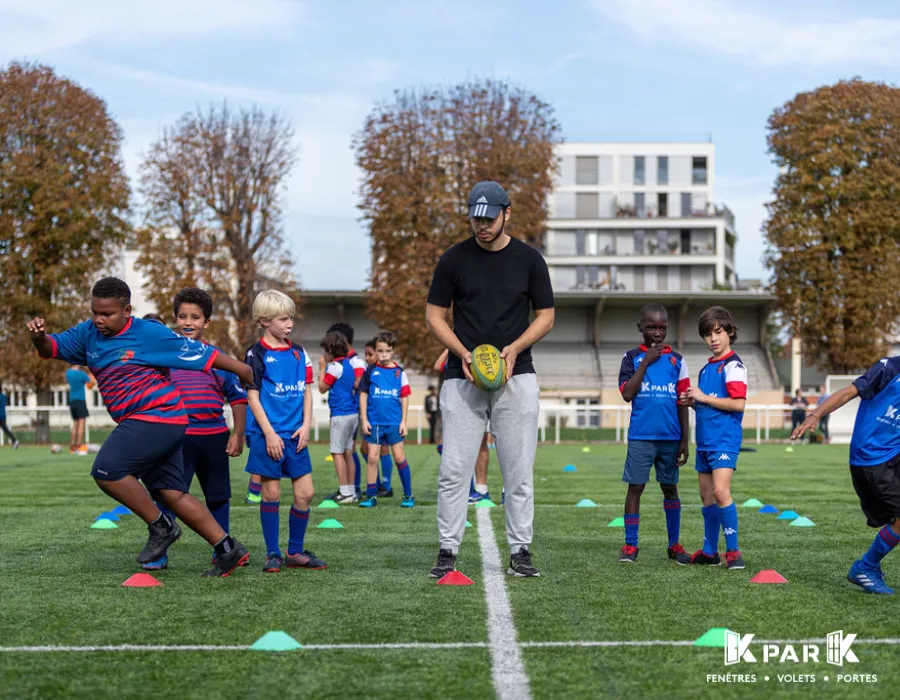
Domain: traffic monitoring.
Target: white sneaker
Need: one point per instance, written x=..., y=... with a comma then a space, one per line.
x=345, y=499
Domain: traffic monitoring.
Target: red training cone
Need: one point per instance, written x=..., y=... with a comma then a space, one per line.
x=455, y=578
x=768, y=576
x=141, y=581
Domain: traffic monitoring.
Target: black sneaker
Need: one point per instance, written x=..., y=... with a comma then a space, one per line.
x=226, y=564
x=384, y=492
x=304, y=560
x=332, y=496
x=344, y=498
x=734, y=560
x=677, y=553
x=273, y=564
x=446, y=562
x=702, y=558
x=520, y=565
x=628, y=554
x=162, y=534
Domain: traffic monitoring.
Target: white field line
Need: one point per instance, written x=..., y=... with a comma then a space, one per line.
x=435, y=646
x=507, y=667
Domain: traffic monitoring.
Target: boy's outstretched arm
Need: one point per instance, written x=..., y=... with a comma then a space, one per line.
x=831, y=404
x=39, y=339
x=229, y=364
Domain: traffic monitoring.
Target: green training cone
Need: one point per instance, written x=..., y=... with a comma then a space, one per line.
x=712, y=638
x=468, y=524
x=618, y=522
x=752, y=503
x=585, y=449
x=802, y=522
x=104, y=524
x=276, y=641
x=485, y=503
x=330, y=524
x=585, y=503
x=328, y=503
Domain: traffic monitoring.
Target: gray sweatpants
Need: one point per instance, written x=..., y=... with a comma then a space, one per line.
x=513, y=412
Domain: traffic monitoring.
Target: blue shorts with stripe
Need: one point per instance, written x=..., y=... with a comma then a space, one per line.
x=384, y=435
x=292, y=464
x=709, y=461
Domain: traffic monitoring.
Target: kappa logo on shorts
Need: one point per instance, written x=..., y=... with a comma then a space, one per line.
x=724, y=457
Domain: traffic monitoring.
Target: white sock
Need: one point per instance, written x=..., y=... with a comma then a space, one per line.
x=481, y=488
x=347, y=490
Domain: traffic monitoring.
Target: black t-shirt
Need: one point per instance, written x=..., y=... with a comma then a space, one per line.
x=492, y=293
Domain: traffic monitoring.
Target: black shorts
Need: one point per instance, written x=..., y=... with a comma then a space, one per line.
x=147, y=451
x=205, y=456
x=878, y=489
x=78, y=409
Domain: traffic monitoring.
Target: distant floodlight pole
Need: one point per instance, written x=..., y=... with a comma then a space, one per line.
x=796, y=357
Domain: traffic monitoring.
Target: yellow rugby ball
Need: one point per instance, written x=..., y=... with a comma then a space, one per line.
x=488, y=368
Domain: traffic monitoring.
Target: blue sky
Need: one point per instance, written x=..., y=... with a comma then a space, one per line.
x=623, y=69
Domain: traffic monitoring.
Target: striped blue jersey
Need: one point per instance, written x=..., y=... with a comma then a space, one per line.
x=721, y=430
x=340, y=377
x=654, y=409
x=385, y=387
x=876, y=432
x=280, y=375
x=204, y=395
x=132, y=367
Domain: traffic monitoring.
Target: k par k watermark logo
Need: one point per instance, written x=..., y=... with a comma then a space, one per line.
x=837, y=650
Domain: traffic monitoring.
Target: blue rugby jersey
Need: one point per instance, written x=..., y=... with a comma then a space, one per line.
x=340, y=376
x=132, y=367
x=876, y=432
x=280, y=375
x=77, y=379
x=204, y=395
x=654, y=409
x=385, y=387
x=721, y=430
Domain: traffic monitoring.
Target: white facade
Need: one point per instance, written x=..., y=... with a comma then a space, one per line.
x=638, y=217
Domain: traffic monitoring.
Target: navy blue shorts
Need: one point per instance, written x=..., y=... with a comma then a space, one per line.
x=708, y=461
x=150, y=452
x=205, y=456
x=643, y=454
x=292, y=465
x=384, y=435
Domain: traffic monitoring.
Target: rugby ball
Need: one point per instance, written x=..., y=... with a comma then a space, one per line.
x=488, y=368
x=56, y=449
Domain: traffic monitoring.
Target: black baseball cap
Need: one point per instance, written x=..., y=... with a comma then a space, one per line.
x=487, y=199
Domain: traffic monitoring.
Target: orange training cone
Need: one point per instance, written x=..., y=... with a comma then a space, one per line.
x=455, y=578
x=141, y=581
x=768, y=576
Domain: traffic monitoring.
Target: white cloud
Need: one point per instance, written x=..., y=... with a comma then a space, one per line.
x=725, y=28
x=35, y=28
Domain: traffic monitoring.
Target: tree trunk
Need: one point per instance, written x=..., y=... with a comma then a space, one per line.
x=42, y=423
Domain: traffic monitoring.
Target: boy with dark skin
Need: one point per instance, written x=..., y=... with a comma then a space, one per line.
x=651, y=378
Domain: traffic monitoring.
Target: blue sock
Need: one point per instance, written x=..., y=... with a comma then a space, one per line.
x=673, y=520
x=387, y=466
x=632, y=523
x=885, y=541
x=710, y=529
x=356, y=472
x=472, y=486
x=165, y=511
x=221, y=511
x=371, y=489
x=297, y=530
x=254, y=488
x=268, y=516
x=728, y=516
x=405, y=477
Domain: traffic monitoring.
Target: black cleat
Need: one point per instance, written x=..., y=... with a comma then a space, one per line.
x=628, y=554
x=163, y=533
x=520, y=565
x=446, y=562
x=678, y=555
x=225, y=564
x=384, y=492
x=273, y=564
x=304, y=560
x=734, y=560
x=702, y=558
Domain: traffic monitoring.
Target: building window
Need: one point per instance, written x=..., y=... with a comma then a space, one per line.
x=662, y=170
x=587, y=419
x=686, y=204
x=587, y=170
x=662, y=204
x=639, y=170
x=698, y=170
x=639, y=278
x=685, y=243
x=640, y=206
x=639, y=241
x=587, y=205
x=662, y=278
x=685, y=279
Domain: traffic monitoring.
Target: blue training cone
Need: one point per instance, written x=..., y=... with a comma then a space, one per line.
x=788, y=515
x=768, y=509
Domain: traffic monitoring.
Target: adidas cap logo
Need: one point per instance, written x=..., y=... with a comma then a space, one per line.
x=482, y=200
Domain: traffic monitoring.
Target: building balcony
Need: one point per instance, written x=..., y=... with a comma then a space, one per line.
x=632, y=259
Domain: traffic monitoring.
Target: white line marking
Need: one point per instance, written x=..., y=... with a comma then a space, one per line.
x=507, y=667
x=436, y=646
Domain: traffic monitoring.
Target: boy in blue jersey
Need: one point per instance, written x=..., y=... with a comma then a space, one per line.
x=78, y=379
x=339, y=377
x=278, y=429
x=207, y=444
x=383, y=406
x=874, y=462
x=651, y=379
x=719, y=400
x=130, y=359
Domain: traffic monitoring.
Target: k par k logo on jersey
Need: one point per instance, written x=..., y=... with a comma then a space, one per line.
x=837, y=650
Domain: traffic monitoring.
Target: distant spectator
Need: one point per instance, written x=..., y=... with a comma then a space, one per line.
x=3, y=426
x=78, y=379
x=800, y=404
x=823, y=420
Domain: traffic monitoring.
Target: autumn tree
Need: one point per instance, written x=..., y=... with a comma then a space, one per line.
x=213, y=189
x=63, y=206
x=420, y=154
x=832, y=232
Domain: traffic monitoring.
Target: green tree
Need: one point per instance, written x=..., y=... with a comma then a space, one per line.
x=420, y=154
x=832, y=232
x=63, y=207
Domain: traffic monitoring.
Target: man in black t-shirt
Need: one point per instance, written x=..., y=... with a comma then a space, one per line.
x=492, y=281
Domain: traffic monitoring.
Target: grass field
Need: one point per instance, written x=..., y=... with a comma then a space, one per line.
x=60, y=585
